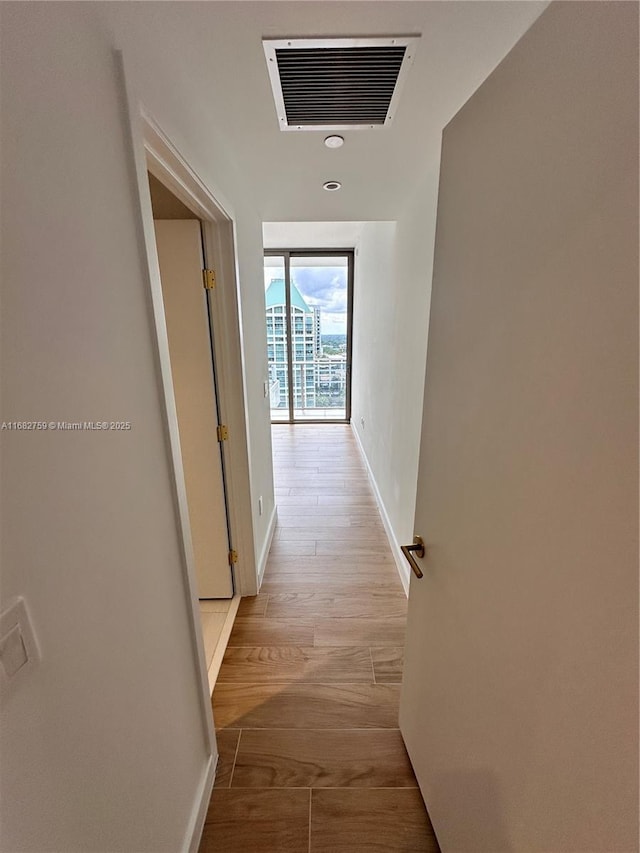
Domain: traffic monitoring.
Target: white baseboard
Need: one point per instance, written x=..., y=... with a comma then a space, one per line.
x=200, y=806
x=223, y=639
x=401, y=563
x=264, y=556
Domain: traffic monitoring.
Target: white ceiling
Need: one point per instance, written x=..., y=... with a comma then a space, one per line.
x=215, y=51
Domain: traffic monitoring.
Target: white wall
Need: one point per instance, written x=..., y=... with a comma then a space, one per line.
x=302, y=235
x=392, y=292
x=103, y=746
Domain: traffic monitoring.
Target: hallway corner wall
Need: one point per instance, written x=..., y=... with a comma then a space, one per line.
x=391, y=319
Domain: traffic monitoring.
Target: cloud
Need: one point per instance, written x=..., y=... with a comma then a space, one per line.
x=323, y=287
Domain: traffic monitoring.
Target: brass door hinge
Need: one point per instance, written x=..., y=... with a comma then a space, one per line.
x=233, y=557
x=209, y=279
x=223, y=432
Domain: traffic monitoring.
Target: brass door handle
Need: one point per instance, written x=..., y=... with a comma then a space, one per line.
x=418, y=549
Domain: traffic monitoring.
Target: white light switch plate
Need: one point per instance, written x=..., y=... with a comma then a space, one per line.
x=19, y=651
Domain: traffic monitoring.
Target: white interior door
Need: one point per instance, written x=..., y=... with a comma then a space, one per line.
x=519, y=702
x=180, y=256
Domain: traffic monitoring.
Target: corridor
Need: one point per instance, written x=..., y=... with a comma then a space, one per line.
x=306, y=703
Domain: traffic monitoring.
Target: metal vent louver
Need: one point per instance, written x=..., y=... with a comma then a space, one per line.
x=337, y=84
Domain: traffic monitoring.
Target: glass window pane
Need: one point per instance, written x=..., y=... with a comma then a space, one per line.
x=319, y=299
x=275, y=304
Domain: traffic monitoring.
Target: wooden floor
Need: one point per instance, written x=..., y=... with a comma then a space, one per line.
x=306, y=702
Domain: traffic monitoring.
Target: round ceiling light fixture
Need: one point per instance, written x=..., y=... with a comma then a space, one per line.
x=334, y=141
x=331, y=186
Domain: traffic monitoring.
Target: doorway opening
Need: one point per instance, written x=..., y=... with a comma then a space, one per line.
x=308, y=315
x=188, y=312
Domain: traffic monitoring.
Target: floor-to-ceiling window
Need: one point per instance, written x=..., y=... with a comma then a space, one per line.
x=308, y=302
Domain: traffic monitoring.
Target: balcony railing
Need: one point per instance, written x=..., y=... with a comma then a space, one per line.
x=319, y=387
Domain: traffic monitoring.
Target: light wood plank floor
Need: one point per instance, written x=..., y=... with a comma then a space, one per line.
x=306, y=701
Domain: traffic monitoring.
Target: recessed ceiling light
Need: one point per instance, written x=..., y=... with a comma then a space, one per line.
x=331, y=186
x=334, y=141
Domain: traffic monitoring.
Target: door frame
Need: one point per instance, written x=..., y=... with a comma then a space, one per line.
x=218, y=238
x=286, y=255
x=150, y=150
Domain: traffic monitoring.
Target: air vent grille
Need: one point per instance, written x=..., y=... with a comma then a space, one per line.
x=336, y=83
